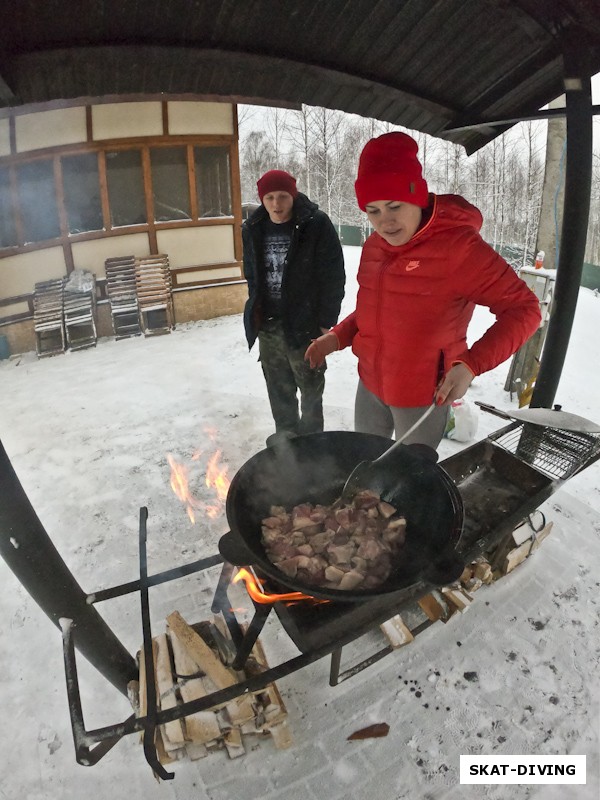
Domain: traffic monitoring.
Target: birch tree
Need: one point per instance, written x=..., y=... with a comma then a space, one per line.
x=531, y=189
x=254, y=158
x=592, y=253
x=276, y=131
x=301, y=136
x=328, y=128
x=321, y=148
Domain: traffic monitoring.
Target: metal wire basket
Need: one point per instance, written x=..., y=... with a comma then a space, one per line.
x=555, y=452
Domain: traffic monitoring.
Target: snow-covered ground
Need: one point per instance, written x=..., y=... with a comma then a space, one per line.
x=89, y=433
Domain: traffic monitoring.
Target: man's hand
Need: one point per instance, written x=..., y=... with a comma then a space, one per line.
x=454, y=385
x=320, y=348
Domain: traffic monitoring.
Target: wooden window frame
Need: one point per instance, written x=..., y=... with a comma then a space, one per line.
x=150, y=228
x=143, y=144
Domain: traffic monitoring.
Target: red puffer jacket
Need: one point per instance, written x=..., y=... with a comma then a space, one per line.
x=415, y=302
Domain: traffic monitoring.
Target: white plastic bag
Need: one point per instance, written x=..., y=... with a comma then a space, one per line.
x=462, y=421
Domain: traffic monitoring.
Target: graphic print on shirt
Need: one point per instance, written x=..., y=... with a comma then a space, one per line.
x=276, y=246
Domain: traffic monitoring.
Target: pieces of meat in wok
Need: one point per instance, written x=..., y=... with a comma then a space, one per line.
x=339, y=547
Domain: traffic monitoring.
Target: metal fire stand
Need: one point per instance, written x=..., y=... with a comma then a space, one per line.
x=502, y=480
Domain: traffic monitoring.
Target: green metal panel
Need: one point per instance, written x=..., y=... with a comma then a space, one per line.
x=350, y=235
x=590, y=277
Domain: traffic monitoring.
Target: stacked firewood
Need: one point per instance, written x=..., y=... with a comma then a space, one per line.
x=190, y=662
x=447, y=601
x=523, y=543
x=440, y=604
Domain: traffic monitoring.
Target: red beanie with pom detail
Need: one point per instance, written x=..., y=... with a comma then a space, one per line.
x=276, y=180
x=388, y=169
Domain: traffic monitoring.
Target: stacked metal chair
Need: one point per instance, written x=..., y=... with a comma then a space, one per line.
x=154, y=293
x=122, y=296
x=79, y=302
x=48, y=317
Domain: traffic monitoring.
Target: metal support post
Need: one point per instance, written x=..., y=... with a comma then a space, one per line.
x=31, y=555
x=575, y=219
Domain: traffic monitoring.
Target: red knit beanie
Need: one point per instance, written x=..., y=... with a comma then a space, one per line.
x=388, y=169
x=276, y=180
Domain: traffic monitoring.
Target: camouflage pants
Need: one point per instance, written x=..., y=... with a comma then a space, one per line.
x=286, y=372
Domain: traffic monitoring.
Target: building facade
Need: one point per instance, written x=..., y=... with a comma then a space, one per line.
x=81, y=182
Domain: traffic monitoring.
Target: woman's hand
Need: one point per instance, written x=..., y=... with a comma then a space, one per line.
x=320, y=348
x=454, y=385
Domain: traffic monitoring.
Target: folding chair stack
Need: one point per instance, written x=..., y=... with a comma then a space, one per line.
x=79, y=300
x=153, y=285
x=48, y=318
x=122, y=296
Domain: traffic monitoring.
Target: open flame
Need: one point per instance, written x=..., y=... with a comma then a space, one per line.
x=257, y=592
x=180, y=485
x=216, y=480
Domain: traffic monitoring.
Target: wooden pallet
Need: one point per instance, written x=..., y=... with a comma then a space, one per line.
x=79, y=305
x=48, y=317
x=155, y=299
x=122, y=296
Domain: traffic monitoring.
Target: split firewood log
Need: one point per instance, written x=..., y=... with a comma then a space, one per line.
x=375, y=731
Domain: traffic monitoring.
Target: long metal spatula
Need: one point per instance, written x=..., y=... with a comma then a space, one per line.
x=368, y=474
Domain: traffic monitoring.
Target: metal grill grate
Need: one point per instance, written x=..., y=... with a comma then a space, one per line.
x=555, y=452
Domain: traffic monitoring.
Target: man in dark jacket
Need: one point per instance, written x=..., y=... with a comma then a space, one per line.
x=294, y=266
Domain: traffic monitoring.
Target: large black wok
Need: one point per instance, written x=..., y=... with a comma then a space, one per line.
x=313, y=468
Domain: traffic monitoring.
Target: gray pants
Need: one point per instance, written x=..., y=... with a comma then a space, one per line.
x=371, y=415
x=286, y=372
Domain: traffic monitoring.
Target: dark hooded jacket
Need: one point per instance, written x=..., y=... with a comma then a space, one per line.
x=313, y=279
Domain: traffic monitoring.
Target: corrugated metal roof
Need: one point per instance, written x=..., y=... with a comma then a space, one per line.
x=429, y=65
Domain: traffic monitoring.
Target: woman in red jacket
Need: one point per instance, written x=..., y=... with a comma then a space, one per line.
x=421, y=274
